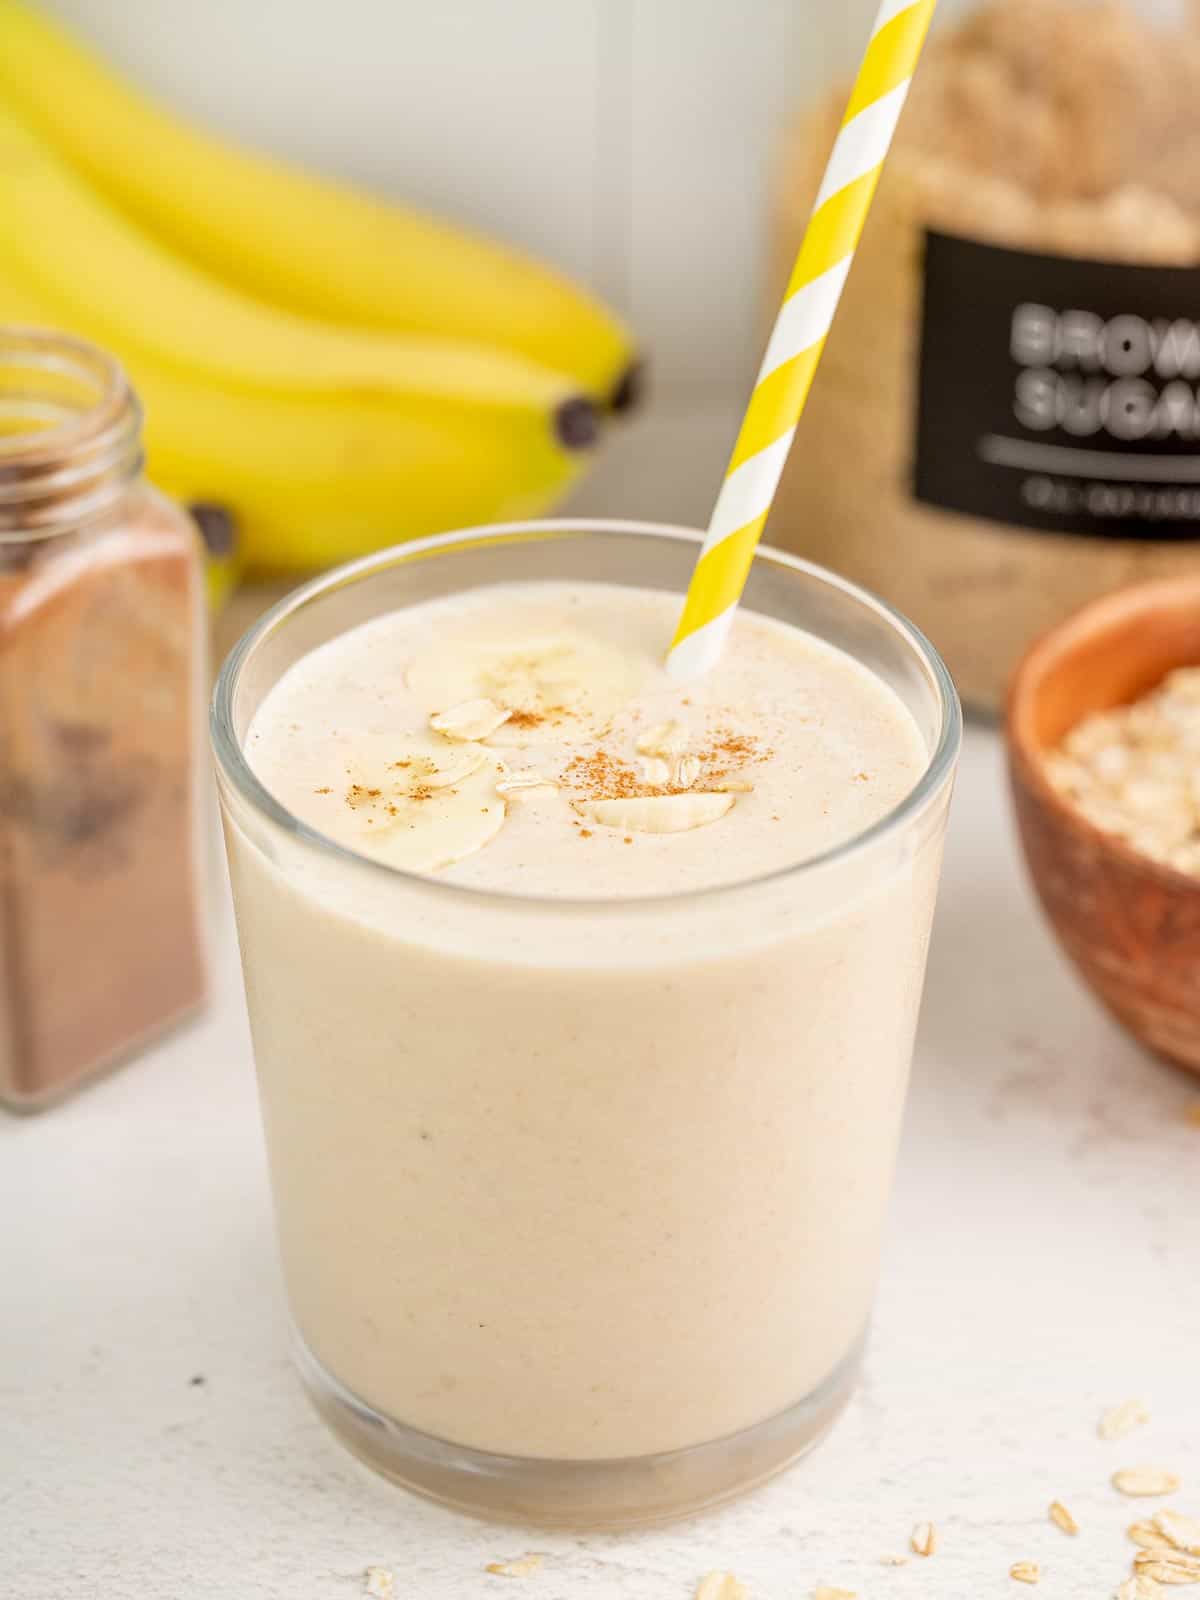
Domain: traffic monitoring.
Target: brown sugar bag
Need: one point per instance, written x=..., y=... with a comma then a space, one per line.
x=1007, y=417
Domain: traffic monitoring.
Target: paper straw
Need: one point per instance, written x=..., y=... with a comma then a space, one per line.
x=786, y=375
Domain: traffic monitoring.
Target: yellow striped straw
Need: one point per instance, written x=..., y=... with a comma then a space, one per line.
x=799, y=334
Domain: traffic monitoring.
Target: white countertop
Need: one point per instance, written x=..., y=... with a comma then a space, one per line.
x=1043, y=1264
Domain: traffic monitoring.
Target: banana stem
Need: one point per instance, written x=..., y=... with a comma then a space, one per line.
x=630, y=388
x=577, y=424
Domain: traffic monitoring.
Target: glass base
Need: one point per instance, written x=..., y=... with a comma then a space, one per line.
x=577, y=1494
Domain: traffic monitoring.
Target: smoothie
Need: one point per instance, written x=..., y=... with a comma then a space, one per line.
x=809, y=747
x=581, y=1121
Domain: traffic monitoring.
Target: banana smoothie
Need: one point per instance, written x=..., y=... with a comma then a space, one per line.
x=581, y=1118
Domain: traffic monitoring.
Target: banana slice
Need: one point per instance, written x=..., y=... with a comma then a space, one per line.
x=660, y=813
x=416, y=802
x=394, y=766
x=568, y=684
x=473, y=719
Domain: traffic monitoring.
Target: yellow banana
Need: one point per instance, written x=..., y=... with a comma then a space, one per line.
x=314, y=479
x=296, y=240
x=125, y=289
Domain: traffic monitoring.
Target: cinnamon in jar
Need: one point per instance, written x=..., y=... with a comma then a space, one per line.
x=102, y=675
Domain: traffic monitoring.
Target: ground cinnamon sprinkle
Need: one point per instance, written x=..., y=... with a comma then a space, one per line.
x=737, y=744
x=525, y=719
x=357, y=795
x=601, y=775
x=728, y=752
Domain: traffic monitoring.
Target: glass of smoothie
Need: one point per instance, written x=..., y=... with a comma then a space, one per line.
x=583, y=1003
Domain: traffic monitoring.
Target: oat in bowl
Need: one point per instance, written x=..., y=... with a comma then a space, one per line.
x=1134, y=771
x=1104, y=753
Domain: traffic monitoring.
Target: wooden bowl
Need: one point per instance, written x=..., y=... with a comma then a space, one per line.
x=1130, y=925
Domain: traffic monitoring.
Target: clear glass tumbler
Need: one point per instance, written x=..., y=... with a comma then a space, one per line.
x=544, y=1264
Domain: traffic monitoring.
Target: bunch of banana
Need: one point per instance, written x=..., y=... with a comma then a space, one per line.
x=336, y=372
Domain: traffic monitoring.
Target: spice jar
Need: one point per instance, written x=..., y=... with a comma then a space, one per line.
x=102, y=676
x=1007, y=418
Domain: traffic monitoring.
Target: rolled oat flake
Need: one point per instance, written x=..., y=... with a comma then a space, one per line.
x=1008, y=413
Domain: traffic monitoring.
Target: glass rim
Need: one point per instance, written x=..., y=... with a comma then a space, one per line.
x=236, y=770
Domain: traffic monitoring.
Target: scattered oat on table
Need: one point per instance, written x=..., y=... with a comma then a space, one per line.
x=522, y=1567
x=924, y=1540
x=1169, y=1567
x=893, y=1561
x=379, y=1583
x=1122, y=1419
x=1025, y=1571
x=1145, y=1481
x=1062, y=1518
x=1148, y=1536
x=1139, y=1588
x=721, y=1586
x=1183, y=1532
x=824, y=1592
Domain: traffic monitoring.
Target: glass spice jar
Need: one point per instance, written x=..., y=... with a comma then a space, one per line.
x=102, y=678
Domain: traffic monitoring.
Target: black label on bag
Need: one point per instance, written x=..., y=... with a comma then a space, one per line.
x=1059, y=394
